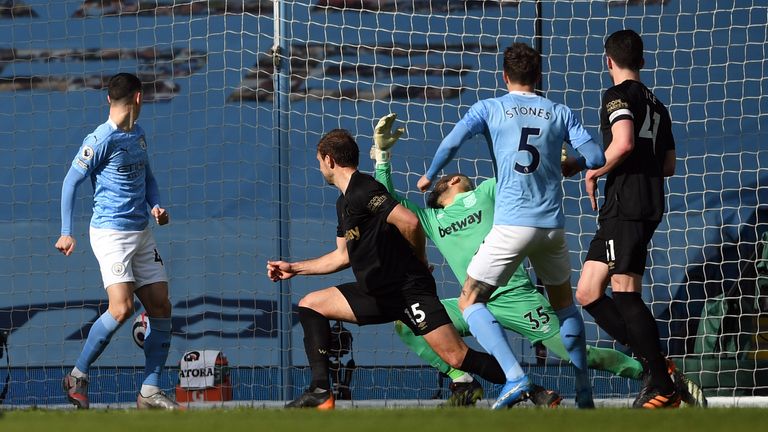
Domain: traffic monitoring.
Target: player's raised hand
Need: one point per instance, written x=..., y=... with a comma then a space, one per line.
x=424, y=183
x=161, y=216
x=279, y=270
x=590, y=184
x=383, y=135
x=384, y=138
x=66, y=244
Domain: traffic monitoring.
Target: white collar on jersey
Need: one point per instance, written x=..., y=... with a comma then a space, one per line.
x=522, y=93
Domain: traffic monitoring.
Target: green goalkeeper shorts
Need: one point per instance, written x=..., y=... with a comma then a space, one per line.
x=522, y=310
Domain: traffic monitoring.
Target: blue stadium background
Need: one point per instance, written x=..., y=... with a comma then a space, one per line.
x=216, y=163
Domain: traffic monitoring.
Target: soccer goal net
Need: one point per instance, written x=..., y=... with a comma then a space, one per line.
x=237, y=94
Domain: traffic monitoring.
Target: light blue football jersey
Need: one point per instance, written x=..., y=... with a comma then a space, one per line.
x=526, y=133
x=117, y=163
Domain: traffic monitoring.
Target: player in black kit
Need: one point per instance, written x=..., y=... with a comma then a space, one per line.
x=385, y=245
x=640, y=152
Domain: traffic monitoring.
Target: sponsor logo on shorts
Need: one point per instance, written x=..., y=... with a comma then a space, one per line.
x=118, y=269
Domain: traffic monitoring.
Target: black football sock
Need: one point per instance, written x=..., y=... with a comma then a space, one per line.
x=644, y=337
x=317, y=339
x=484, y=365
x=608, y=317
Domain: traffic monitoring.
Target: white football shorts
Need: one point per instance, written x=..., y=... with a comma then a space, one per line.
x=505, y=247
x=127, y=256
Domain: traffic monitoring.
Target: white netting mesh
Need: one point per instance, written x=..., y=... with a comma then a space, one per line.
x=215, y=120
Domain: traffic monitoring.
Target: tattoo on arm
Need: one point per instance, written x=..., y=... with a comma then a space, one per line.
x=482, y=290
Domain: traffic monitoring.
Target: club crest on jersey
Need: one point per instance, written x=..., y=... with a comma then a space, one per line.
x=87, y=153
x=118, y=269
x=142, y=143
x=470, y=200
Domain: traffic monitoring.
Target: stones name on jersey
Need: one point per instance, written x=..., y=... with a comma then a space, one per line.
x=473, y=218
x=522, y=110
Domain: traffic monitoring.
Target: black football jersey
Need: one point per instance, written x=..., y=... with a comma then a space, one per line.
x=634, y=190
x=381, y=258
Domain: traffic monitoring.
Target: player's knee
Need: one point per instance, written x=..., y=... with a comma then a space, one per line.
x=455, y=358
x=162, y=309
x=121, y=312
x=453, y=354
x=584, y=296
x=306, y=302
x=158, y=307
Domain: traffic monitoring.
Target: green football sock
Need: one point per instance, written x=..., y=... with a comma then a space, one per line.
x=606, y=359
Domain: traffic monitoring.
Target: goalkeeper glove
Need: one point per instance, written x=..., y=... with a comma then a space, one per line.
x=384, y=138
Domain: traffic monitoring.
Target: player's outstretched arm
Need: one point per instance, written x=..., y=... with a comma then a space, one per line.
x=329, y=263
x=66, y=243
x=384, y=138
x=153, y=198
x=445, y=152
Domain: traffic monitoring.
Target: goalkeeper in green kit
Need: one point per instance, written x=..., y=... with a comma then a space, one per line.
x=457, y=220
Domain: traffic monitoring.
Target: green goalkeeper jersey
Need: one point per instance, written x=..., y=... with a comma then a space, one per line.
x=458, y=229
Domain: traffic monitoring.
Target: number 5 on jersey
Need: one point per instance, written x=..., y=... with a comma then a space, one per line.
x=525, y=146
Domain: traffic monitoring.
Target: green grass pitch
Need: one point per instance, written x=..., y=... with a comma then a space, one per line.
x=386, y=420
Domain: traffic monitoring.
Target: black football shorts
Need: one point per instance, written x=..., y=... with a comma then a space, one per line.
x=622, y=245
x=415, y=304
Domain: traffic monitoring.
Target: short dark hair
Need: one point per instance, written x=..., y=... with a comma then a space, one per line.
x=522, y=64
x=625, y=48
x=123, y=86
x=433, y=199
x=341, y=146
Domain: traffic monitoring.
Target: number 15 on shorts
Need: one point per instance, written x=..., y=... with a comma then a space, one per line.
x=415, y=314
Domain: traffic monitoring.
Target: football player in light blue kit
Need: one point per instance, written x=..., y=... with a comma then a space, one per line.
x=526, y=133
x=115, y=158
